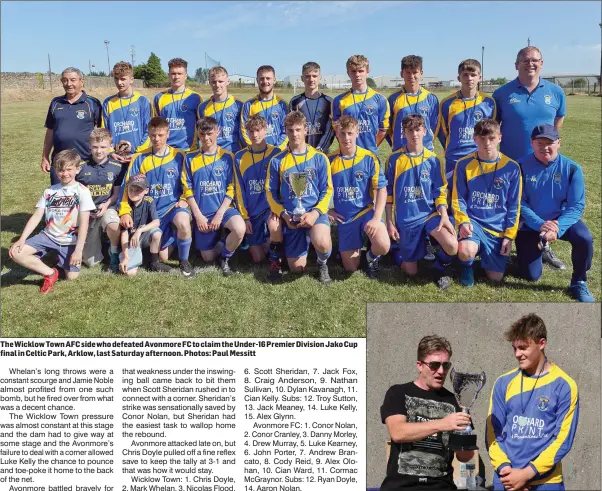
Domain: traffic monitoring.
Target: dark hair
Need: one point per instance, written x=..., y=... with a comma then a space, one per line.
x=529, y=326
x=469, y=65
x=206, y=125
x=411, y=61
x=158, y=122
x=266, y=68
x=413, y=122
x=432, y=344
x=486, y=127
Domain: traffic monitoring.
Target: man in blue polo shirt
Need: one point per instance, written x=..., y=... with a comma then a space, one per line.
x=552, y=204
x=524, y=103
x=70, y=120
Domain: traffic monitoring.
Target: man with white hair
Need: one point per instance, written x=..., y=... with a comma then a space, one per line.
x=70, y=120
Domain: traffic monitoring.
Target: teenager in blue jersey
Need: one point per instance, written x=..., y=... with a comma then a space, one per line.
x=417, y=203
x=533, y=415
x=162, y=166
x=552, y=206
x=412, y=99
x=69, y=122
x=269, y=105
x=126, y=114
x=225, y=108
x=208, y=182
x=313, y=226
x=486, y=198
x=459, y=112
x=524, y=103
x=316, y=107
x=359, y=198
x=250, y=170
x=179, y=106
x=364, y=104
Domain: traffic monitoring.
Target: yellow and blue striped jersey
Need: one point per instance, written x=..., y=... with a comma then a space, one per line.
x=227, y=114
x=355, y=181
x=488, y=192
x=273, y=110
x=250, y=171
x=457, y=118
x=532, y=422
x=180, y=109
x=416, y=186
x=403, y=103
x=371, y=110
x=127, y=119
x=318, y=191
x=208, y=179
x=163, y=174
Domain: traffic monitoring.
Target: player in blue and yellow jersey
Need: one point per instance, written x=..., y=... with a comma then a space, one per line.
x=208, y=181
x=316, y=107
x=179, y=106
x=533, y=415
x=303, y=162
x=269, y=105
x=126, y=114
x=486, y=198
x=459, y=112
x=162, y=166
x=359, y=198
x=417, y=203
x=250, y=170
x=552, y=206
x=412, y=99
x=224, y=108
x=370, y=108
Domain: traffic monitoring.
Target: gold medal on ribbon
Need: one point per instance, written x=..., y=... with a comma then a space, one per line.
x=418, y=192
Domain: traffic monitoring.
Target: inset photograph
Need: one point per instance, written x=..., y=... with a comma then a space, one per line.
x=483, y=396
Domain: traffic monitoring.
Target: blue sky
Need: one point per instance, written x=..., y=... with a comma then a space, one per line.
x=244, y=35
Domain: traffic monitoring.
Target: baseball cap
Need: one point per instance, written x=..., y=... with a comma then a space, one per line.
x=138, y=180
x=545, y=131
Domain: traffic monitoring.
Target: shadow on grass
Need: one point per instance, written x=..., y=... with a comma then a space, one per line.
x=14, y=223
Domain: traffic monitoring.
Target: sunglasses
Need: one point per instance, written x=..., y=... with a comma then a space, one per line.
x=435, y=365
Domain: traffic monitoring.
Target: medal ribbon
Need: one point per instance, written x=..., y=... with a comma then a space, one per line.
x=522, y=376
x=487, y=184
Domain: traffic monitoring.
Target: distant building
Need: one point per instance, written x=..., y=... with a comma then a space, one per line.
x=245, y=80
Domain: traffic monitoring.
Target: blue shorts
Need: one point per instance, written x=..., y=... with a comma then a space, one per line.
x=412, y=243
x=557, y=486
x=351, y=235
x=165, y=224
x=489, y=249
x=296, y=240
x=205, y=241
x=43, y=244
x=259, y=225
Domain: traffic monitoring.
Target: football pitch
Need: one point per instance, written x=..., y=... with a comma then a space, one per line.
x=99, y=304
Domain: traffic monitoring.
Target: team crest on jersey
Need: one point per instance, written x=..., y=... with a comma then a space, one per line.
x=171, y=173
x=557, y=177
x=542, y=403
x=478, y=115
x=110, y=176
x=184, y=107
x=275, y=116
x=80, y=113
x=547, y=99
x=319, y=112
x=513, y=100
x=135, y=111
x=424, y=175
x=359, y=175
x=229, y=116
x=498, y=183
x=219, y=171
x=369, y=109
x=424, y=110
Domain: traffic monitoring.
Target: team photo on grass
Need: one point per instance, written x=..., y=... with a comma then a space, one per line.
x=456, y=198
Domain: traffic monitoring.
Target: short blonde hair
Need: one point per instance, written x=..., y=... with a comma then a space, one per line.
x=293, y=118
x=99, y=134
x=217, y=70
x=66, y=158
x=345, y=122
x=357, y=61
x=525, y=50
x=123, y=68
x=256, y=122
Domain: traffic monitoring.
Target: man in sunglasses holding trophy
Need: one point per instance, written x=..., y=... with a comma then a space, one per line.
x=420, y=416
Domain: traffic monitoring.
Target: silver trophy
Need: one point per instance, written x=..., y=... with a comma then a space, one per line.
x=298, y=183
x=466, y=389
x=123, y=148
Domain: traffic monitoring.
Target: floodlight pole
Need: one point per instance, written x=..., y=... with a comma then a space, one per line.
x=108, y=62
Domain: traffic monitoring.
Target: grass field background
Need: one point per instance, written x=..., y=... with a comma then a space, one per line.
x=152, y=305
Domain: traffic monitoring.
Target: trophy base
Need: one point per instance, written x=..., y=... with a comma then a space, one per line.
x=297, y=214
x=459, y=441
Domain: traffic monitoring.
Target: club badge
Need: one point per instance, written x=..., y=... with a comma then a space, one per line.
x=110, y=176
x=219, y=171
x=557, y=177
x=542, y=403
x=424, y=175
x=135, y=111
x=171, y=172
x=547, y=99
x=275, y=116
x=359, y=175
x=184, y=106
x=229, y=116
x=498, y=183
x=369, y=109
x=478, y=115
x=80, y=113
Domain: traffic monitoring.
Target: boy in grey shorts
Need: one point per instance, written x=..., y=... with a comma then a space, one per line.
x=145, y=231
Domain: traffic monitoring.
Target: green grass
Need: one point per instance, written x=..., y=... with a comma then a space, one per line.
x=151, y=305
